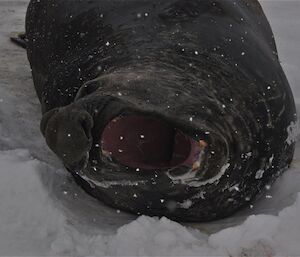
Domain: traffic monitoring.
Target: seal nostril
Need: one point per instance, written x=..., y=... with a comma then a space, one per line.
x=86, y=129
x=86, y=122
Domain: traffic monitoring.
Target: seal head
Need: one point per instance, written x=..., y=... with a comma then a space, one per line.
x=168, y=108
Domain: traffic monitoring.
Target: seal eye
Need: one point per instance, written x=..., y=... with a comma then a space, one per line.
x=149, y=143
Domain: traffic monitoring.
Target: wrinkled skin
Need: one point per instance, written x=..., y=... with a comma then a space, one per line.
x=214, y=61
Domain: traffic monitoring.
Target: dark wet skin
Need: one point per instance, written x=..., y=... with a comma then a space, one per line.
x=208, y=68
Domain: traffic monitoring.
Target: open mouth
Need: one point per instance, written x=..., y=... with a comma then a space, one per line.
x=149, y=143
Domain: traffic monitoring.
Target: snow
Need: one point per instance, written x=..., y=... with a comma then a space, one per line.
x=32, y=221
x=27, y=216
x=43, y=212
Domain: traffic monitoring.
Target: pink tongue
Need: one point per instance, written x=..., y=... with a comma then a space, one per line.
x=146, y=143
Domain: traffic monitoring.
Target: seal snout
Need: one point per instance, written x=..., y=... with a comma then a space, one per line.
x=67, y=131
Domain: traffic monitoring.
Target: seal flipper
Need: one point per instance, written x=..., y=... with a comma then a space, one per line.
x=19, y=39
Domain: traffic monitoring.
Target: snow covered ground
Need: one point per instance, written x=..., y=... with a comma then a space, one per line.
x=43, y=212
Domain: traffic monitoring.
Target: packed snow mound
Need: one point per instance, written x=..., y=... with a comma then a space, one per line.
x=36, y=226
x=265, y=235
x=259, y=235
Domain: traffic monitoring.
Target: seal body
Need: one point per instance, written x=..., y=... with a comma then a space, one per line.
x=208, y=68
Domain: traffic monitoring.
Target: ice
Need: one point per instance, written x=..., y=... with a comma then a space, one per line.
x=43, y=212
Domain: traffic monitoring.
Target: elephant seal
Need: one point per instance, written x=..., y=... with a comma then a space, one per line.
x=176, y=108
